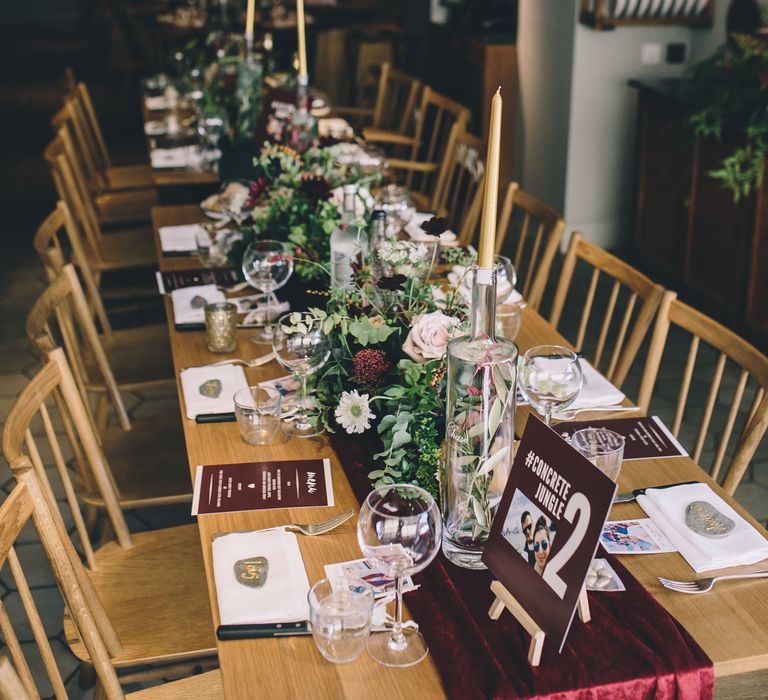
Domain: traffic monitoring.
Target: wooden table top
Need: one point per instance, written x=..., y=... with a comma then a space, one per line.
x=730, y=623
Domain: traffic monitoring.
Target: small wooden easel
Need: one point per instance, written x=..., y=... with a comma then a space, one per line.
x=504, y=599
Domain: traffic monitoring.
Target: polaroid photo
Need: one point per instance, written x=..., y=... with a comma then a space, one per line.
x=634, y=537
x=359, y=574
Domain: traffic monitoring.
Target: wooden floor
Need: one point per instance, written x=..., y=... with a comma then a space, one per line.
x=32, y=64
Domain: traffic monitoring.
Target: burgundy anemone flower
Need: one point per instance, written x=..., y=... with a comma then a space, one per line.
x=434, y=226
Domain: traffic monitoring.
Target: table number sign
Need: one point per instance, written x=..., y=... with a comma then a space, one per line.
x=545, y=534
x=228, y=488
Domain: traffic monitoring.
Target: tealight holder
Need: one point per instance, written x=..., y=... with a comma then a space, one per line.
x=221, y=326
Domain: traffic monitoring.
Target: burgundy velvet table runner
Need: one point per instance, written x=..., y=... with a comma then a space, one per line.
x=632, y=647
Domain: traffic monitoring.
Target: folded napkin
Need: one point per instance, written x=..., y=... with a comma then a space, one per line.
x=156, y=103
x=596, y=390
x=185, y=312
x=335, y=127
x=193, y=379
x=461, y=278
x=155, y=127
x=282, y=597
x=413, y=229
x=178, y=157
x=668, y=508
x=179, y=239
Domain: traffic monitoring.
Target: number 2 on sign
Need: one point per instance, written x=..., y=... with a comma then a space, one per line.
x=578, y=503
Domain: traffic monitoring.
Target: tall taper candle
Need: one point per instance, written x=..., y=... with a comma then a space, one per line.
x=302, y=38
x=491, y=194
x=249, y=17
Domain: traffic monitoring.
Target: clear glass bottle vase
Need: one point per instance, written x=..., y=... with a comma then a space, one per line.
x=480, y=427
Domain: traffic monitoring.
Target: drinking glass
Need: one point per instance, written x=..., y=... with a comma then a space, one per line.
x=400, y=529
x=603, y=447
x=302, y=348
x=211, y=126
x=550, y=378
x=267, y=266
x=257, y=410
x=398, y=203
x=340, y=621
x=212, y=245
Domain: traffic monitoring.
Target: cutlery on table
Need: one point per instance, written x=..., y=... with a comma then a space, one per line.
x=569, y=413
x=632, y=495
x=239, y=287
x=255, y=362
x=322, y=527
x=704, y=585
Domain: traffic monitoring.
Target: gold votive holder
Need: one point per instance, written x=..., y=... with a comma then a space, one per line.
x=221, y=326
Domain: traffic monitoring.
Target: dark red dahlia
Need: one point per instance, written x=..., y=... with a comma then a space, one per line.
x=370, y=366
x=316, y=188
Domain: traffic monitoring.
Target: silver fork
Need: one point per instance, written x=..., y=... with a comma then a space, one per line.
x=704, y=585
x=323, y=527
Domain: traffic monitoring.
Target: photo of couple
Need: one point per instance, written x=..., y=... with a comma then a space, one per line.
x=529, y=531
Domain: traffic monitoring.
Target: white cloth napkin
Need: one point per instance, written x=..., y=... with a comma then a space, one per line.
x=666, y=507
x=232, y=379
x=179, y=239
x=156, y=103
x=156, y=127
x=282, y=598
x=596, y=390
x=413, y=229
x=178, y=157
x=336, y=127
x=181, y=299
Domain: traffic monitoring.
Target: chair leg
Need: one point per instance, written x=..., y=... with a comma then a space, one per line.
x=102, y=412
x=98, y=691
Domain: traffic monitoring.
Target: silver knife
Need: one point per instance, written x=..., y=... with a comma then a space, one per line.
x=632, y=495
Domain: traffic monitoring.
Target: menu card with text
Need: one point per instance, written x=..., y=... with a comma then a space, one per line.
x=645, y=437
x=228, y=488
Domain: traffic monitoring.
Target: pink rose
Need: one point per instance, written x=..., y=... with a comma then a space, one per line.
x=429, y=335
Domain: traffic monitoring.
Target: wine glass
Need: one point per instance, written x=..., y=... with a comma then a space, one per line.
x=550, y=378
x=267, y=266
x=398, y=203
x=234, y=196
x=301, y=347
x=211, y=126
x=400, y=529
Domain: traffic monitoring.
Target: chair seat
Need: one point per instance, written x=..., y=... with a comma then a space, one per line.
x=130, y=177
x=148, y=462
x=205, y=686
x=139, y=357
x=133, y=247
x=125, y=207
x=156, y=597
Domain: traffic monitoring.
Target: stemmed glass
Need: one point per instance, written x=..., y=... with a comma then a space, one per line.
x=398, y=203
x=267, y=266
x=400, y=529
x=301, y=347
x=211, y=126
x=550, y=378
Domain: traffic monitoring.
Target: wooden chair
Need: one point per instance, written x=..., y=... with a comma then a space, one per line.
x=125, y=249
x=535, y=230
x=626, y=286
x=741, y=365
x=148, y=590
x=395, y=104
x=104, y=364
x=434, y=121
x=27, y=503
x=118, y=207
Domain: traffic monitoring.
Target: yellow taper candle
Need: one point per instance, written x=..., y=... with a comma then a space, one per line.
x=302, y=38
x=249, y=17
x=487, y=253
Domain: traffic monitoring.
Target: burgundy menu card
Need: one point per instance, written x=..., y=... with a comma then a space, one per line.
x=178, y=279
x=227, y=488
x=645, y=437
x=547, y=528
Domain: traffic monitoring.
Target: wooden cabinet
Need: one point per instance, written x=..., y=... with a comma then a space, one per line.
x=689, y=233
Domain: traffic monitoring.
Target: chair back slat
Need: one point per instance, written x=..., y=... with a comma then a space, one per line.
x=626, y=336
x=80, y=148
x=65, y=300
x=520, y=214
x=27, y=501
x=94, y=126
x=743, y=416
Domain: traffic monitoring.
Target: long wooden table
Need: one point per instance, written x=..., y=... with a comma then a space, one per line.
x=730, y=623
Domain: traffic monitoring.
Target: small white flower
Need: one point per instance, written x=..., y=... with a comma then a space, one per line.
x=353, y=412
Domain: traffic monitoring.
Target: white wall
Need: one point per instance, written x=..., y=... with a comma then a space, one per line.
x=576, y=130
